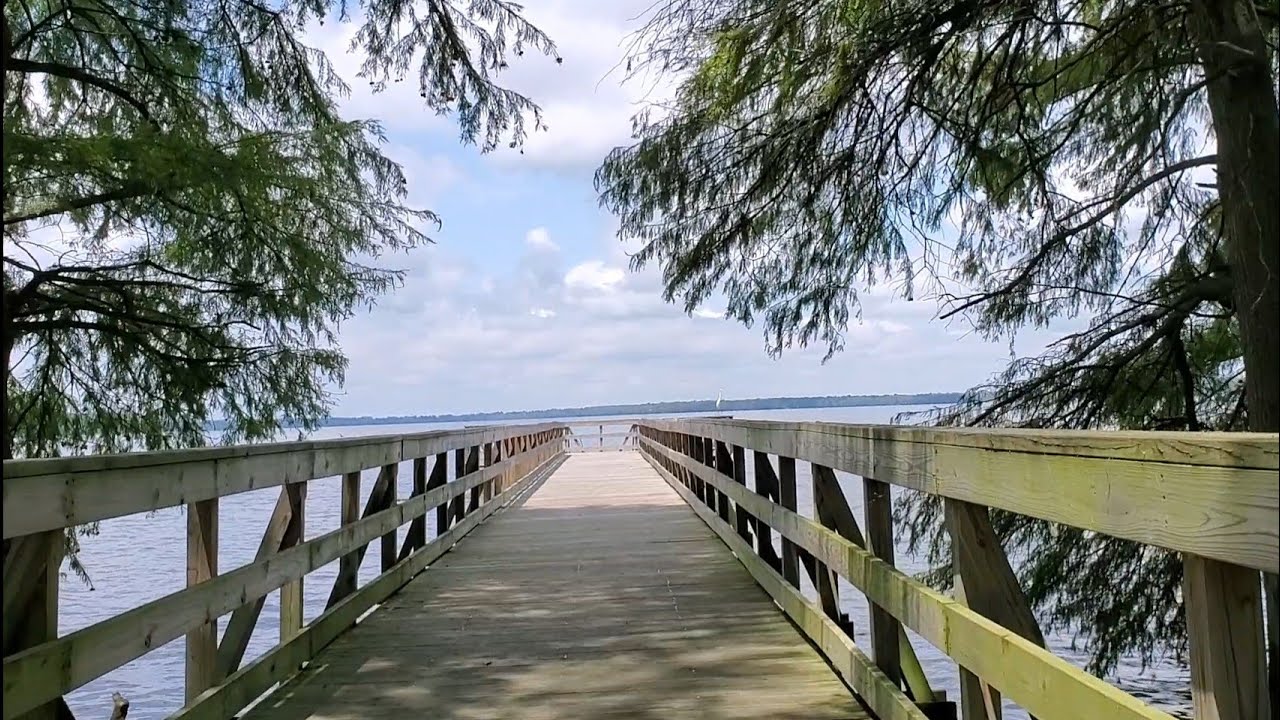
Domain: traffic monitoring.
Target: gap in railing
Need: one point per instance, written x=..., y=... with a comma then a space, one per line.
x=604, y=435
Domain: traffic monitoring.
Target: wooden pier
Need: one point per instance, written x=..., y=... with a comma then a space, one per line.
x=662, y=579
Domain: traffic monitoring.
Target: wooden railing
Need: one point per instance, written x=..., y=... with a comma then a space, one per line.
x=42, y=497
x=1210, y=497
x=600, y=436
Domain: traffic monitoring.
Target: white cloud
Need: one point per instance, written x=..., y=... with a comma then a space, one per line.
x=520, y=322
x=595, y=276
x=468, y=338
x=539, y=239
x=586, y=105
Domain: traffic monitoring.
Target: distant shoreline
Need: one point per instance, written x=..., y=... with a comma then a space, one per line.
x=682, y=406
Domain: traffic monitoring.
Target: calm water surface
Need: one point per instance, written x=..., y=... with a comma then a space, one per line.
x=141, y=558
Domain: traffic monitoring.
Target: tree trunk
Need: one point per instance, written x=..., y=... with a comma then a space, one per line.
x=1246, y=124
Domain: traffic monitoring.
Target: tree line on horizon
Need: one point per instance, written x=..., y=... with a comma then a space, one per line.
x=674, y=406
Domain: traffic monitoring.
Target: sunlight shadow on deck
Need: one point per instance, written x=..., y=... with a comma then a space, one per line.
x=600, y=595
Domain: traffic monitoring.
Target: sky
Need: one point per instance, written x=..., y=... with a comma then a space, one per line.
x=526, y=300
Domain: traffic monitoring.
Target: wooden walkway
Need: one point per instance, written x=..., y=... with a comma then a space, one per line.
x=598, y=594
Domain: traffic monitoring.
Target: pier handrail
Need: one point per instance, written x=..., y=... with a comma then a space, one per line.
x=1211, y=496
x=43, y=497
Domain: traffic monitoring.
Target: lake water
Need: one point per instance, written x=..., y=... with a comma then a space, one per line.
x=137, y=559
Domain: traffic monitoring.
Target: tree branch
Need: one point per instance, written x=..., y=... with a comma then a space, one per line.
x=71, y=73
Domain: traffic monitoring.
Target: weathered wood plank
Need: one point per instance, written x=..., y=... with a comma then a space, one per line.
x=1216, y=449
x=291, y=593
x=1226, y=640
x=63, y=492
x=349, y=564
x=473, y=464
x=458, y=506
x=26, y=563
x=724, y=465
x=879, y=692
x=44, y=672
x=878, y=510
x=416, y=536
x=202, y=567
x=766, y=486
x=787, y=499
x=235, y=639
x=598, y=596
x=35, y=621
x=823, y=577
x=991, y=587
x=1213, y=495
x=988, y=585
x=279, y=663
x=439, y=478
x=1047, y=686
x=349, y=573
x=389, y=543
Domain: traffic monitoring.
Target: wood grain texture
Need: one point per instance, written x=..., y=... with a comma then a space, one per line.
x=1225, y=640
x=202, y=567
x=280, y=663
x=277, y=536
x=388, y=544
x=878, y=511
x=35, y=621
x=877, y=690
x=52, y=493
x=1047, y=686
x=416, y=536
x=349, y=564
x=787, y=499
x=44, y=672
x=600, y=595
x=1210, y=494
x=291, y=593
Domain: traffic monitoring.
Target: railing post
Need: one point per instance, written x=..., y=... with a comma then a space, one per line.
x=418, y=528
x=457, y=504
x=473, y=465
x=682, y=446
x=830, y=510
x=766, y=487
x=389, y=545
x=349, y=564
x=709, y=494
x=439, y=478
x=1226, y=640
x=490, y=458
x=742, y=518
x=724, y=466
x=787, y=498
x=31, y=579
x=987, y=584
x=291, y=596
x=878, y=511
x=202, y=565
x=695, y=452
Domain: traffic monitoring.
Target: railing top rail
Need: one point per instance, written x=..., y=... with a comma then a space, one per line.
x=53, y=493
x=1222, y=449
x=604, y=420
x=112, y=461
x=1210, y=494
